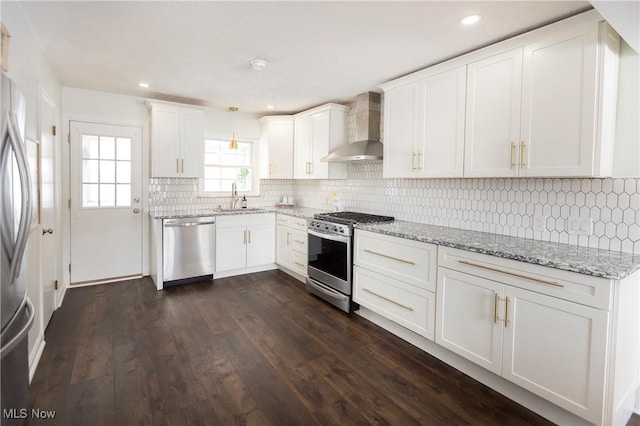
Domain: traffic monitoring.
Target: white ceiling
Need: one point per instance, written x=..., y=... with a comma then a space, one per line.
x=318, y=52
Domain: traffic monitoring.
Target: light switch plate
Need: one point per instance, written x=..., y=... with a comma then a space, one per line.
x=539, y=223
x=579, y=226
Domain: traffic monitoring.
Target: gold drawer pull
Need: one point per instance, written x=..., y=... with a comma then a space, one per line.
x=298, y=241
x=502, y=271
x=495, y=308
x=513, y=151
x=390, y=257
x=408, y=308
x=523, y=150
x=299, y=264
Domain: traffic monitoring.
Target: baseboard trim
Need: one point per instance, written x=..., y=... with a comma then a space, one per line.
x=34, y=357
x=250, y=270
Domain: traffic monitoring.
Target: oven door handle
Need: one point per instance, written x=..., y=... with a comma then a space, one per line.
x=339, y=238
x=326, y=290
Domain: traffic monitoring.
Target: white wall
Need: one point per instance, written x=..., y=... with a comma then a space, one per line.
x=31, y=72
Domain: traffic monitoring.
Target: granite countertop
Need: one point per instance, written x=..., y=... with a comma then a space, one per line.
x=584, y=260
x=302, y=212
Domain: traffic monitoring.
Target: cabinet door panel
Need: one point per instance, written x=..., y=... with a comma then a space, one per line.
x=230, y=248
x=465, y=321
x=558, y=105
x=568, y=339
x=166, y=142
x=192, y=147
x=280, y=139
x=320, y=138
x=493, y=115
x=399, y=131
x=261, y=245
x=441, y=136
x=283, y=246
x=302, y=147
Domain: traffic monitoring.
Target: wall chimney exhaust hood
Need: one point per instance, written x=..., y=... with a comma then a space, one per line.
x=367, y=145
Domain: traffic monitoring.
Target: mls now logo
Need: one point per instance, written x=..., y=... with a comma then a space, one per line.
x=23, y=413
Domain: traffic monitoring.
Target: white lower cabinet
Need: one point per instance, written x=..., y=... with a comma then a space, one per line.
x=291, y=245
x=244, y=241
x=538, y=339
x=396, y=278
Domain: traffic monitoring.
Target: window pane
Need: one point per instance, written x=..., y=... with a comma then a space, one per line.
x=123, y=195
x=211, y=158
x=123, y=172
x=89, y=146
x=225, y=185
x=107, y=171
x=90, y=171
x=107, y=195
x=228, y=173
x=90, y=195
x=211, y=172
x=107, y=148
x=212, y=185
x=123, y=148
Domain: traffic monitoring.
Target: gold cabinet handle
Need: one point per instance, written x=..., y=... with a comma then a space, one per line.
x=288, y=238
x=298, y=241
x=301, y=223
x=523, y=150
x=513, y=152
x=419, y=161
x=506, y=312
x=299, y=264
x=249, y=236
x=182, y=165
x=413, y=161
x=408, y=308
x=310, y=167
x=245, y=236
x=495, y=308
x=177, y=165
x=389, y=257
x=502, y=271
x=282, y=220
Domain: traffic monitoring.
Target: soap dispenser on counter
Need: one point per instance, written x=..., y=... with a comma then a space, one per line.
x=243, y=203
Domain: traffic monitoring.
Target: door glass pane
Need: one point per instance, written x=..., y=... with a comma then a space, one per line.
x=90, y=195
x=90, y=171
x=107, y=171
x=123, y=172
x=107, y=148
x=90, y=146
x=123, y=195
x=107, y=195
x=123, y=149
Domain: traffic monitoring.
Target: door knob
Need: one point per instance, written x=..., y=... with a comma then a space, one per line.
x=47, y=231
x=136, y=210
x=136, y=200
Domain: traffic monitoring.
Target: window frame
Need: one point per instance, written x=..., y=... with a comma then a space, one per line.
x=255, y=167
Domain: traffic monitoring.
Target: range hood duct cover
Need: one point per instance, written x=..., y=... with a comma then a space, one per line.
x=367, y=146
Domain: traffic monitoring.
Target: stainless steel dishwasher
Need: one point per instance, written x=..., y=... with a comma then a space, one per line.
x=188, y=249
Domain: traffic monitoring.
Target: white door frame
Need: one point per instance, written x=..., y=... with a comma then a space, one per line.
x=66, y=188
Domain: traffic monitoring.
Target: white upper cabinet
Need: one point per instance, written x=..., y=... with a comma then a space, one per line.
x=276, y=134
x=424, y=126
x=537, y=105
x=317, y=132
x=493, y=115
x=177, y=138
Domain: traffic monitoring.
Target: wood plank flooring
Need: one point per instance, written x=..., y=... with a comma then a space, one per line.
x=250, y=350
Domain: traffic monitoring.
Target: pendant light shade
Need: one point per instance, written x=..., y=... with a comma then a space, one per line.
x=233, y=144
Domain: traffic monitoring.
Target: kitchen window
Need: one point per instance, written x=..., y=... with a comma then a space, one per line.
x=223, y=166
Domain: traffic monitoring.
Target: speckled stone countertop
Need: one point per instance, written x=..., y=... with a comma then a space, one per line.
x=302, y=212
x=584, y=260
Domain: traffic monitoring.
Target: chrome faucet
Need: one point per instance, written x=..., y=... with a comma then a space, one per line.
x=234, y=195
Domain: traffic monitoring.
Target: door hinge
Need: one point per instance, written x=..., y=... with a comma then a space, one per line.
x=69, y=268
x=69, y=203
x=53, y=130
x=55, y=285
x=69, y=137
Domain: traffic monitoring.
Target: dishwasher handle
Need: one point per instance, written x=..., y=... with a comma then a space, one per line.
x=186, y=224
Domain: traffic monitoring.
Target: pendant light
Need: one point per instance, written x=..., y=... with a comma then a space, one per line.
x=233, y=144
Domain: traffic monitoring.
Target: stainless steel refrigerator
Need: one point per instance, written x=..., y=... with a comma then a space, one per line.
x=16, y=203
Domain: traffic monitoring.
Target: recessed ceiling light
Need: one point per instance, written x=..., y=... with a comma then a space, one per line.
x=143, y=85
x=258, y=64
x=269, y=106
x=470, y=20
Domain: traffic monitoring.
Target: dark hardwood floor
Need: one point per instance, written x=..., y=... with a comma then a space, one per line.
x=250, y=350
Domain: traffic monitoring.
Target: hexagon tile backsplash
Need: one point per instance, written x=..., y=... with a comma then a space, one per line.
x=496, y=205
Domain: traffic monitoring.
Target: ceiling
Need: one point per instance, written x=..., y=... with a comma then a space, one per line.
x=317, y=52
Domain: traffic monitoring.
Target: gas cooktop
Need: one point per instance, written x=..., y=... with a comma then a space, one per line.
x=351, y=218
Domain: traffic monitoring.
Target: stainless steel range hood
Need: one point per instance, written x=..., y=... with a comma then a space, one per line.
x=367, y=146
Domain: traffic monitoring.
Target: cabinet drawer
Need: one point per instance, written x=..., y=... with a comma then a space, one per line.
x=298, y=223
x=299, y=262
x=283, y=219
x=387, y=297
x=410, y=261
x=571, y=286
x=299, y=241
x=245, y=219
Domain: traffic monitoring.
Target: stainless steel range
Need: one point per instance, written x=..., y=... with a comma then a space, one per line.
x=330, y=258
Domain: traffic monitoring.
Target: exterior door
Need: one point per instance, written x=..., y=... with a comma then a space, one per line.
x=106, y=217
x=50, y=233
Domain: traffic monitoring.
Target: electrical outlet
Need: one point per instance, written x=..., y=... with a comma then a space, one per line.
x=580, y=226
x=539, y=223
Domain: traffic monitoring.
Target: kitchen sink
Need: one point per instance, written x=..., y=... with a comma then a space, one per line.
x=254, y=209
